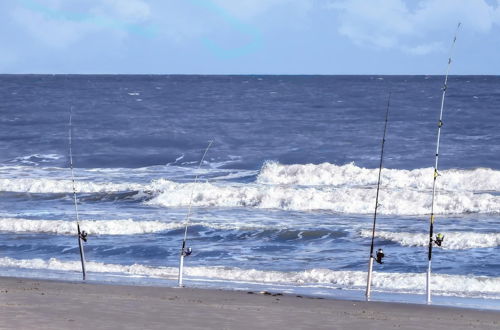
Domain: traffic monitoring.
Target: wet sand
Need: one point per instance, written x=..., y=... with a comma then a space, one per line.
x=41, y=304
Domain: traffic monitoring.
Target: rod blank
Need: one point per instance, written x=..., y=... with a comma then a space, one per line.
x=436, y=173
x=81, y=234
x=370, y=261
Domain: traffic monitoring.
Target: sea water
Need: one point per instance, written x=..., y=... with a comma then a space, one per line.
x=285, y=197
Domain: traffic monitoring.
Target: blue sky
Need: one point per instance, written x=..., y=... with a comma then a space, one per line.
x=249, y=36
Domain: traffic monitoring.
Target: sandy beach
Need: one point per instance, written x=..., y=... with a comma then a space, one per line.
x=42, y=304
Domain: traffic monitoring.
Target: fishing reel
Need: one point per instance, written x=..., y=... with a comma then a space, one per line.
x=380, y=255
x=186, y=252
x=439, y=239
x=83, y=235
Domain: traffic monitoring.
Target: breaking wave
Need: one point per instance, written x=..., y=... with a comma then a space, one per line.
x=480, y=179
x=93, y=227
x=52, y=186
x=451, y=285
x=35, y=159
x=341, y=200
x=452, y=240
x=340, y=189
x=110, y=227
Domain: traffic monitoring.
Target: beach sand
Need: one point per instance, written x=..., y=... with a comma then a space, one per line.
x=42, y=304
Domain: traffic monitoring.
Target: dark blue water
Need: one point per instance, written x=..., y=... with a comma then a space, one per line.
x=287, y=191
x=290, y=119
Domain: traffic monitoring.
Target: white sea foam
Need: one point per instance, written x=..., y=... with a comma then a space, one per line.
x=93, y=227
x=480, y=179
x=44, y=185
x=452, y=240
x=100, y=180
x=35, y=159
x=454, y=285
x=342, y=200
x=110, y=227
x=355, y=195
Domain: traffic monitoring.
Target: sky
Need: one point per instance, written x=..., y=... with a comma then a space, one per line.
x=249, y=36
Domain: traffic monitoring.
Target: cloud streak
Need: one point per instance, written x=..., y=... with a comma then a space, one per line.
x=59, y=26
x=249, y=9
x=393, y=24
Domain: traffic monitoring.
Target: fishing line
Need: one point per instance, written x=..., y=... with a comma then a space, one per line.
x=186, y=251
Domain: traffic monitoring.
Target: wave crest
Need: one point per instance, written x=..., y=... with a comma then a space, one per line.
x=480, y=179
x=452, y=240
x=341, y=200
x=112, y=227
x=93, y=227
x=53, y=186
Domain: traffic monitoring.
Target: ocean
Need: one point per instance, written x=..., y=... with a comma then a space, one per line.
x=285, y=197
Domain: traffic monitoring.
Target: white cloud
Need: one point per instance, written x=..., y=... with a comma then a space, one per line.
x=130, y=11
x=59, y=24
x=392, y=24
x=248, y=9
x=56, y=33
x=476, y=15
x=423, y=48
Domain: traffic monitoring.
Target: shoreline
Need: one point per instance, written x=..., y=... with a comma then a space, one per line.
x=313, y=291
x=54, y=304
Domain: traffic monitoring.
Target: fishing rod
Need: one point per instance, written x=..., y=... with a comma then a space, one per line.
x=439, y=237
x=82, y=235
x=380, y=253
x=186, y=251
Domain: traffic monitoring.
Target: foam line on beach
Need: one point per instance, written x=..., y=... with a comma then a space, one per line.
x=451, y=285
x=139, y=307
